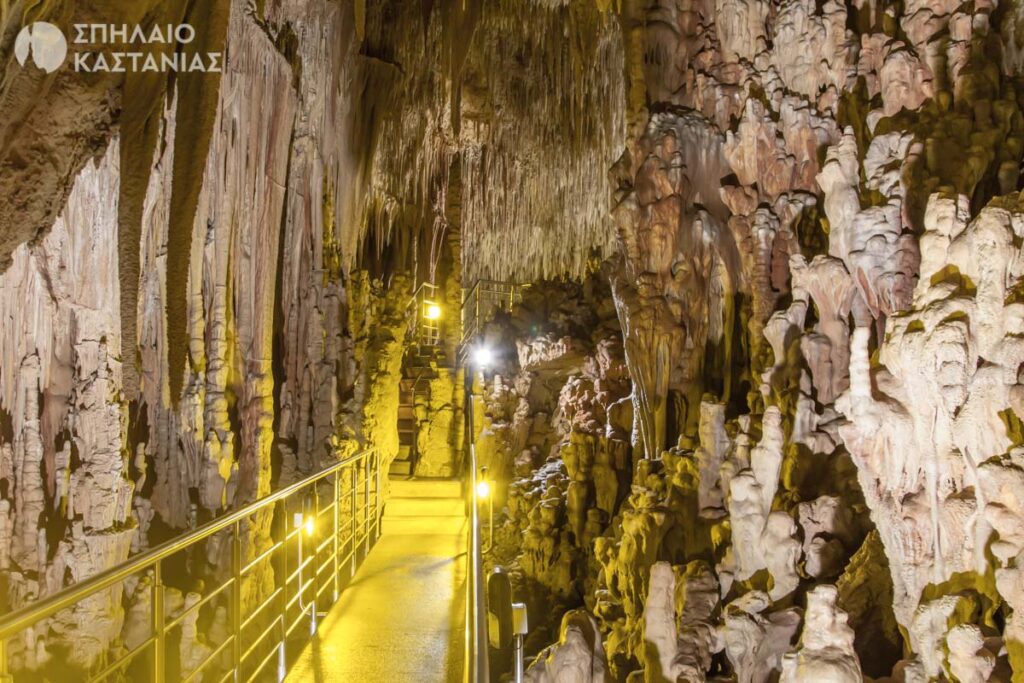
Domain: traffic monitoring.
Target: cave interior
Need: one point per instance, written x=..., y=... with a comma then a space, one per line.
x=710, y=275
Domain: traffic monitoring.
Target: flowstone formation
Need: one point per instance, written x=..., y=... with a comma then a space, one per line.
x=67, y=499
x=668, y=226
x=945, y=390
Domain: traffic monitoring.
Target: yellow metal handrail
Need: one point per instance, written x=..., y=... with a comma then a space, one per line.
x=426, y=314
x=298, y=589
x=482, y=300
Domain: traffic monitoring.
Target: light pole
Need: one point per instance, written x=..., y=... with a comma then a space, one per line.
x=482, y=357
x=520, y=628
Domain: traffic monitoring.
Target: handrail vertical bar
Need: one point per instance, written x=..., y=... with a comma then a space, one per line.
x=479, y=664
x=353, y=546
x=5, y=674
x=477, y=661
x=314, y=605
x=377, y=496
x=282, y=653
x=236, y=599
x=334, y=529
x=160, y=641
x=366, y=509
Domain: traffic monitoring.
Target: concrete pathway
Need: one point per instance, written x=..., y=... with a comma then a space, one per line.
x=402, y=619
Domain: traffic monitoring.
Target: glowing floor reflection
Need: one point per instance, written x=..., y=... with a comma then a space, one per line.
x=402, y=619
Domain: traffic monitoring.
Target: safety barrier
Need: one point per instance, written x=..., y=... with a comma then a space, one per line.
x=290, y=555
x=482, y=301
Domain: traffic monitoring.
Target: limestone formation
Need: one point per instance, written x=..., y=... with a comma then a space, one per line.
x=754, y=639
x=932, y=353
x=674, y=652
x=577, y=657
x=826, y=646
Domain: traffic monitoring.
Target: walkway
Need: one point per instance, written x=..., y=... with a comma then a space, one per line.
x=402, y=618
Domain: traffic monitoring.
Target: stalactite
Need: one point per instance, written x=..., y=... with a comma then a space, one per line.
x=196, y=116
x=533, y=144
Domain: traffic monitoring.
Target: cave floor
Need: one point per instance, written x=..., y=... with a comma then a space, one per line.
x=402, y=618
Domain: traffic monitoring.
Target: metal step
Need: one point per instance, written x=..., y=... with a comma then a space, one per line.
x=400, y=468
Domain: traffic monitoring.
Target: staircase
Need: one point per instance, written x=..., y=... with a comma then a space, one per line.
x=424, y=506
x=422, y=360
x=403, y=465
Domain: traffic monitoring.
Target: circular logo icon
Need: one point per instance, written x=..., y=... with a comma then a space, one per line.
x=43, y=44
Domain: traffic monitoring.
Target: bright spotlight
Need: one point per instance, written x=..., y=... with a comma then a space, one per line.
x=482, y=357
x=483, y=489
x=431, y=311
x=309, y=526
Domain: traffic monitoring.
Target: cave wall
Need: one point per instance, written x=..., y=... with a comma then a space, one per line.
x=66, y=511
x=239, y=233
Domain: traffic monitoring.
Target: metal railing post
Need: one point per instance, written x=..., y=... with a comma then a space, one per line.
x=366, y=509
x=476, y=656
x=5, y=674
x=160, y=641
x=352, y=521
x=314, y=558
x=334, y=530
x=282, y=652
x=236, y=599
x=375, y=458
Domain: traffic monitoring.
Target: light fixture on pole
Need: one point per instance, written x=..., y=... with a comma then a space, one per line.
x=431, y=310
x=482, y=357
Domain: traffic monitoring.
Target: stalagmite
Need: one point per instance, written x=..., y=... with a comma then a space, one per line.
x=826, y=645
x=683, y=652
x=577, y=657
x=755, y=641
